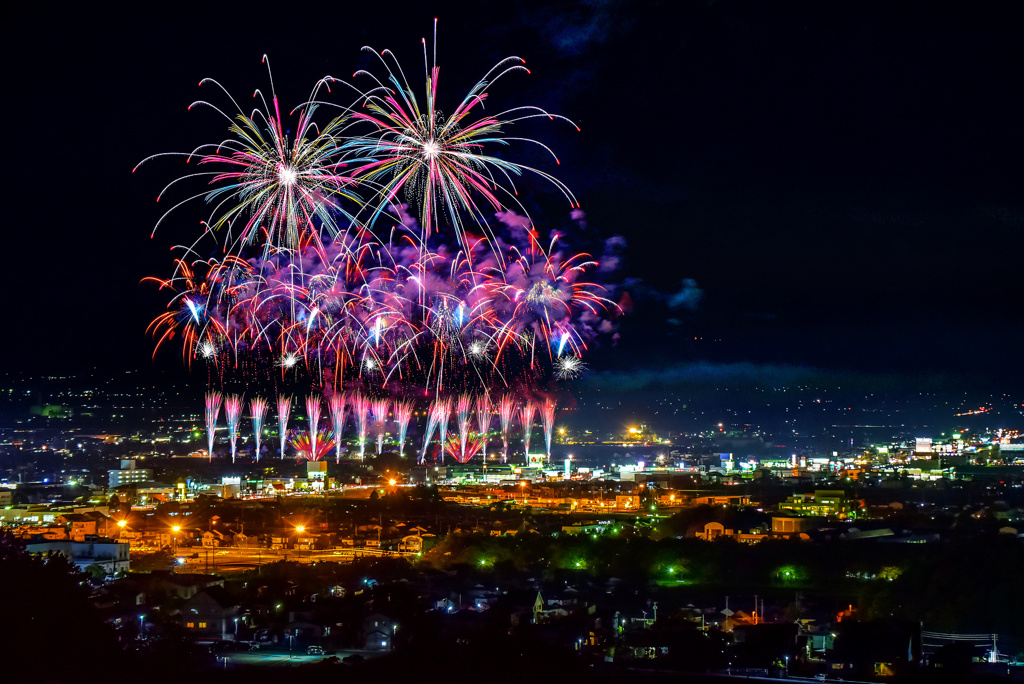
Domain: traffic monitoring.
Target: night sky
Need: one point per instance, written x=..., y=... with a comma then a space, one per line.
x=830, y=185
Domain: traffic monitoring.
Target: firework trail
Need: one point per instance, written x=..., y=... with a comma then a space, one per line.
x=337, y=408
x=233, y=413
x=403, y=414
x=464, y=419
x=460, y=451
x=547, y=417
x=284, y=408
x=506, y=412
x=444, y=414
x=313, y=409
x=379, y=411
x=526, y=414
x=258, y=407
x=483, y=422
x=360, y=412
x=440, y=162
x=212, y=411
x=266, y=181
x=437, y=418
x=310, y=449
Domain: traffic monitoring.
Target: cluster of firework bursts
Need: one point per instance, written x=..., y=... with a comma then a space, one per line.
x=473, y=419
x=384, y=250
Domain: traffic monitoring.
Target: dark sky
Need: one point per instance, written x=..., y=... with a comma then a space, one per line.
x=842, y=181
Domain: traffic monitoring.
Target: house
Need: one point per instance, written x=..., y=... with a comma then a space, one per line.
x=211, y=613
x=81, y=525
x=379, y=632
x=218, y=538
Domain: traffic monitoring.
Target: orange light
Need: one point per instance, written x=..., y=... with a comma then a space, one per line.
x=300, y=529
x=176, y=528
x=122, y=522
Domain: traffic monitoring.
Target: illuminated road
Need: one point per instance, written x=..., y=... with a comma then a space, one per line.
x=278, y=659
x=237, y=559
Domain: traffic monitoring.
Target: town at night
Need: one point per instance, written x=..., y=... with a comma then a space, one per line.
x=595, y=341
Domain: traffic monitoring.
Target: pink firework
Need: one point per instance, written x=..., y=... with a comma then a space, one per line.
x=212, y=411
x=313, y=449
x=464, y=419
x=526, y=414
x=547, y=417
x=403, y=414
x=506, y=412
x=437, y=414
x=233, y=413
x=379, y=411
x=483, y=422
x=259, y=408
x=284, y=409
x=463, y=452
x=337, y=407
x=313, y=409
x=360, y=412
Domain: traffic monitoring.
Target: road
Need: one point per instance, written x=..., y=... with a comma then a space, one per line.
x=237, y=559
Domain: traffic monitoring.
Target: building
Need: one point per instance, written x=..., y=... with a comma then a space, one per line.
x=824, y=502
x=128, y=474
x=108, y=554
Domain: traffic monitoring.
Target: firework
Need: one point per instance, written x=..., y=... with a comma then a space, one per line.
x=569, y=367
x=258, y=407
x=403, y=414
x=266, y=181
x=312, y=449
x=437, y=418
x=379, y=411
x=547, y=417
x=526, y=414
x=212, y=411
x=337, y=408
x=460, y=451
x=360, y=412
x=439, y=163
x=483, y=422
x=463, y=420
x=313, y=409
x=284, y=408
x=506, y=412
x=233, y=413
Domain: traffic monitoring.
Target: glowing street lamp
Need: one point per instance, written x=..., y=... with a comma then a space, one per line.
x=300, y=528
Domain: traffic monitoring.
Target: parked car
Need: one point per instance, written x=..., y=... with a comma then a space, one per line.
x=314, y=650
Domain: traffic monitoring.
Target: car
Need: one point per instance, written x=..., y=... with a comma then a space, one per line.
x=314, y=650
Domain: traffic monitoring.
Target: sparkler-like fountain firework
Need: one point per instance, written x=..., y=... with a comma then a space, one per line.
x=526, y=414
x=379, y=411
x=284, y=409
x=547, y=418
x=483, y=422
x=337, y=407
x=233, y=414
x=403, y=414
x=361, y=414
x=212, y=411
x=313, y=408
x=463, y=420
x=258, y=407
x=506, y=412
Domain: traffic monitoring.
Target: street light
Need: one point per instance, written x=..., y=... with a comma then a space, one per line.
x=142, y=624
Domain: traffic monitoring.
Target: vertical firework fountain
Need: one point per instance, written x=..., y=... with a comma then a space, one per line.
x=284, y=408
x=506, y=411
x=526, y=414
x=233, y=413
x=259, y=409
x=463, y=417
x=360, y=412
x=313, y=408
x=436, y=415
x=547, y=417
x=379, y=411
x=403, y=414
x=444, y=413
x=483, y=422
x=337, y=407
x=212, y=411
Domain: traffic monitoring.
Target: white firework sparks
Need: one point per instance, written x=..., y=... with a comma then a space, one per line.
x=569, y=367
